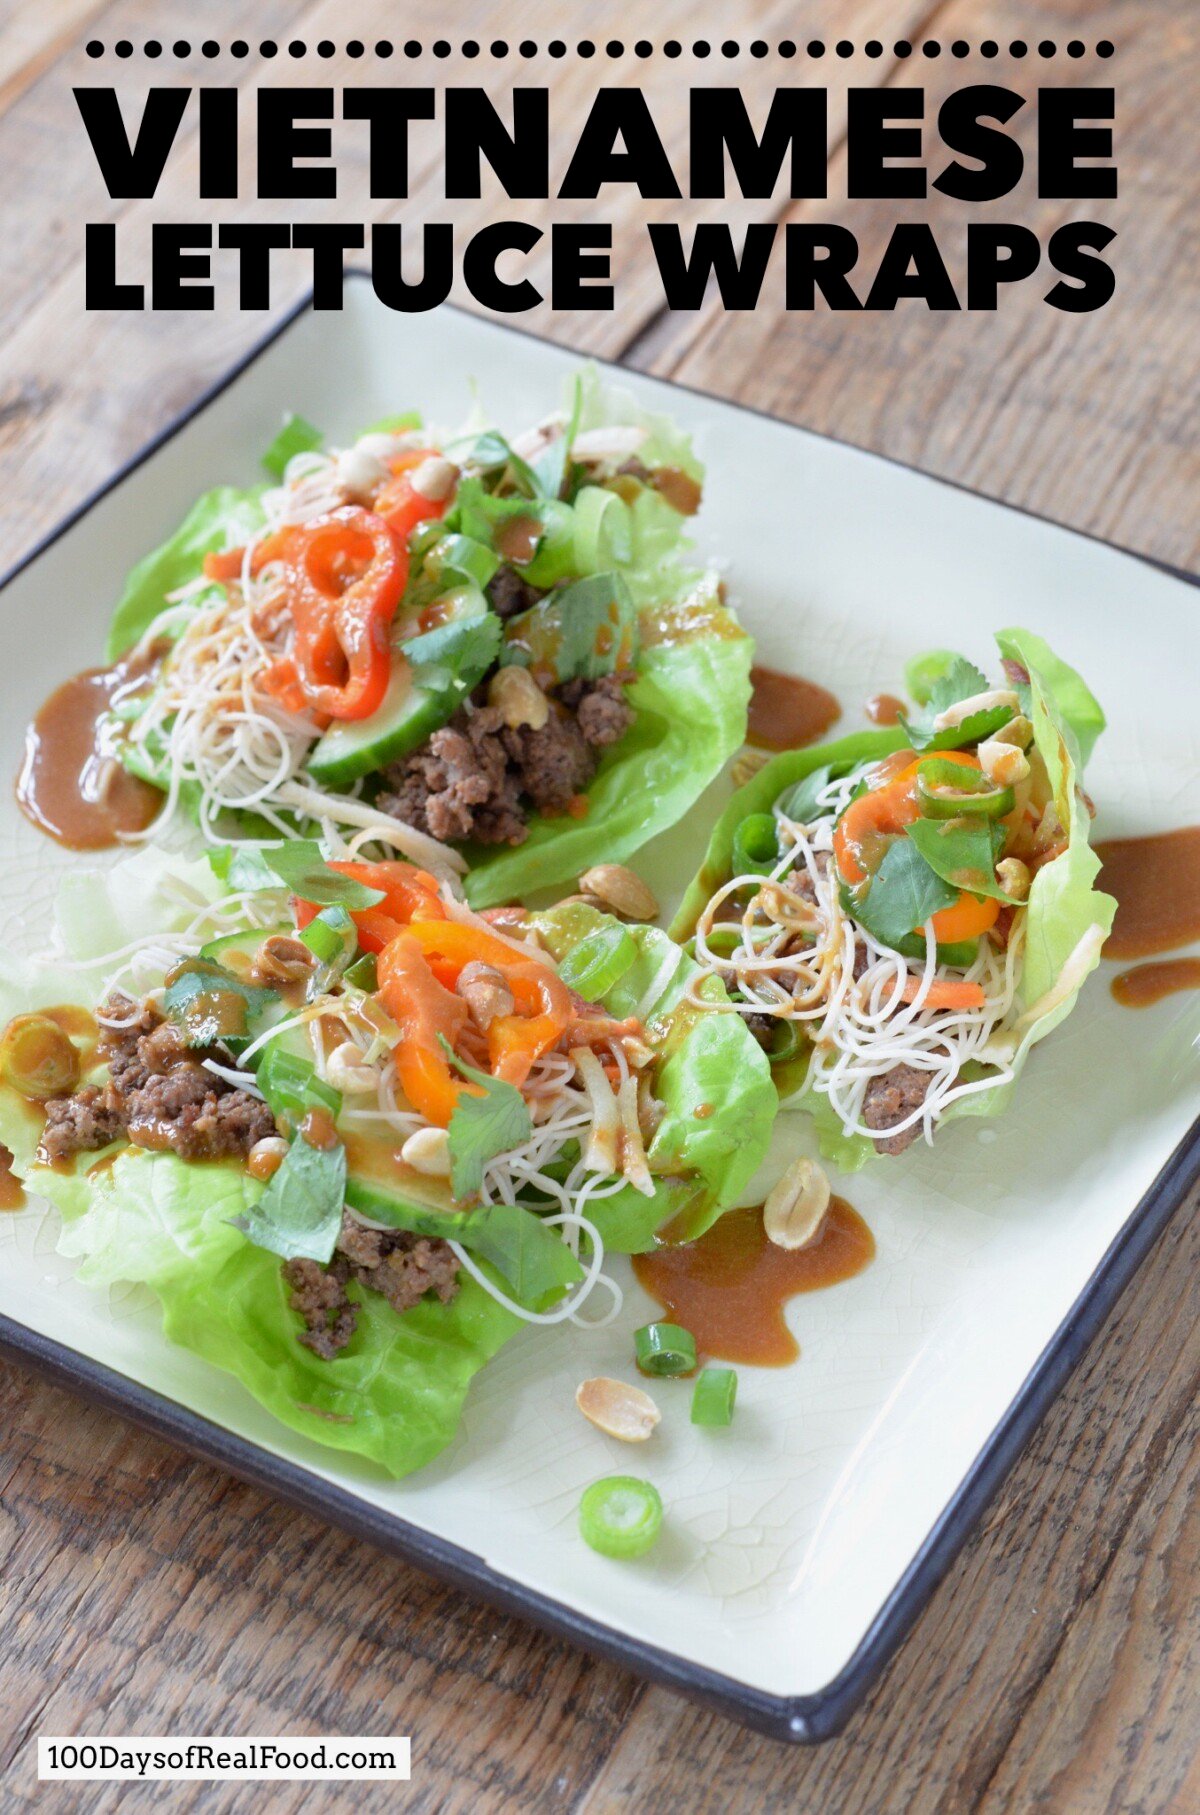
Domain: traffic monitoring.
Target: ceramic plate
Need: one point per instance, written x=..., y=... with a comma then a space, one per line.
x=802, y=1541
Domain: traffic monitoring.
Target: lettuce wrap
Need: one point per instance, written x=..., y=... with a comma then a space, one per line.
x=1065, y=918
x=208, y=1238
x=688, y=657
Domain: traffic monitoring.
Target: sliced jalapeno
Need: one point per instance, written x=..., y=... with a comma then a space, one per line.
x=948, y=789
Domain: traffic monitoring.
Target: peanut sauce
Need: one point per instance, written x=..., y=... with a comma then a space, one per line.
x=12, y=1193
x=681, y=491
x=517, y=540
x=884, y=709
x=1146, y=984
x=786, y=712
x=318, y=1129
x=1156, y=881
x=71, y=784
x=730, y=1287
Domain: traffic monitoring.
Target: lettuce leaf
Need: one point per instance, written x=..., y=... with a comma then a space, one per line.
x=221, y=518
x=690, y=696
x=703, y=1164
x=1066, y=916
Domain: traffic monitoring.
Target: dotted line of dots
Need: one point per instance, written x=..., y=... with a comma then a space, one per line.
x=613, y=48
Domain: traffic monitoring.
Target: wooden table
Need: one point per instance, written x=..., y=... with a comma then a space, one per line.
x=143, y=1592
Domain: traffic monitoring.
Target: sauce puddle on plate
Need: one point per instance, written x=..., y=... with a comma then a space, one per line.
x=12, y=1194
x=1146, y=984
x=1156, y=881
x=786, y=712
x=884, y=709
x=72, y=784
x=730, y=1287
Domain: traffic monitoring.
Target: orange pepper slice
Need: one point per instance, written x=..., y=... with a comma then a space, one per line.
x=409, y=893
x=422, y=1008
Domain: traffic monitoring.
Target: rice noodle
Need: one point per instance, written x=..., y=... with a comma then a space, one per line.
x=795, y=961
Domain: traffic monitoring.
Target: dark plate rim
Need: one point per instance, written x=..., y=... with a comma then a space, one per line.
x=805, y=1718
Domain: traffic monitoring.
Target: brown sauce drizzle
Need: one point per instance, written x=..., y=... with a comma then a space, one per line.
x=1146, y=984
x=71, y=785
x=786, y=711
x=681, y=491
x=12, y=1192
x=1156, y=881
x=884, y=709
x=730, y=1287
x=517, y=540
x=318, y=1129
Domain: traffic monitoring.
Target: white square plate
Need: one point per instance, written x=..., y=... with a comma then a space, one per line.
x=801, y=1543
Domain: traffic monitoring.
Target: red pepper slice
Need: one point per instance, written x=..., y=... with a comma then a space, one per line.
x=409, y=894
x=400, y=504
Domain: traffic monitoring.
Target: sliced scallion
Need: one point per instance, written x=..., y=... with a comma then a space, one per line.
x=599, y=960
x=620, y=1516
x=330, y=934
x=713, y=1397
x=363, y=974
x=755, y=845
x=664, y=1348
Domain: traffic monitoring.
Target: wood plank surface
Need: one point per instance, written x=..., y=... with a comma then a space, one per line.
x=1056, y=1667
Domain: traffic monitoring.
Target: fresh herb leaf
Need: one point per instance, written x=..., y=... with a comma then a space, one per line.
x=300, y=864
x=490, y=452
x=242, y=867
x=902, y=895
x=462, y=645
x=923, y=672
x=961, y=681
x=209, y=1003
x=962, y=853
x=299, y=1215
x=482, y=1126
x=295, y=437
x=533, y=1261
x=801, y=804
x=550, y=468
x=581, y=631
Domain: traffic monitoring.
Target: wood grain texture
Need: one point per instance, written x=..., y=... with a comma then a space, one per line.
x=1056, y=1667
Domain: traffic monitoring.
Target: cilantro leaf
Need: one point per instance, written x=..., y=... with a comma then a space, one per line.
x=581, y=631
x=299, y=1215
x=243, y=867
x=961, y=681
x=550, y=467
x=209, y=1003
x=533, y=1260
x=962, y=853
x=463, y=645
x=482, y=1126
x=491, y=453
x=903, y=893
x=299, y=864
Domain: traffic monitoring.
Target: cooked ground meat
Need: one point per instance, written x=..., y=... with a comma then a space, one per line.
x=475, y=776
x=401, y=1266
x=509, y=593
x=158, y=1093
x=889, y=1100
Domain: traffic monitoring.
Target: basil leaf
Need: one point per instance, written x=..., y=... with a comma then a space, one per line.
x=532, y=1260
x=903, y=893
x=580, y=631
x=483, y=1126
x=801, y=804
x=295, y=437
x=299, y=864
x=243, y=868
x=209, y=1003
x=299, y=1215
x=960, y=682
x=962, y=853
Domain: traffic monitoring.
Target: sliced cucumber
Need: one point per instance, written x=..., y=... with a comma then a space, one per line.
x=417, y=702
x=237, y=951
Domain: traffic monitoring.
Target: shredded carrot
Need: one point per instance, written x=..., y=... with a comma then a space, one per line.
x=945, y=993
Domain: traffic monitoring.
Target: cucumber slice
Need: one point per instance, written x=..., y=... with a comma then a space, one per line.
x=382, y=1188
x=417, y=702
x=237, y=951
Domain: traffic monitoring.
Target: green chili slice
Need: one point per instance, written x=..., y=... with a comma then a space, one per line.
x=784, y=1042
x=756, y=845
x=665, y=1348
x=947, y=789
x=713, y=1398
x=620, y=1516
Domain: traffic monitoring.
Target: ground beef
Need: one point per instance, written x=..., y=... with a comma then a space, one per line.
x=78, y=1124
x=509, y=593
x=400, y=1266
x=889, y=1100
x=158, y=1093
x=479, y=778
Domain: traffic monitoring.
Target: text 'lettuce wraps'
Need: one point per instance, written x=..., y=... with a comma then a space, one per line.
x=900, y=915
x=459, y=649
x=352, y=1133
